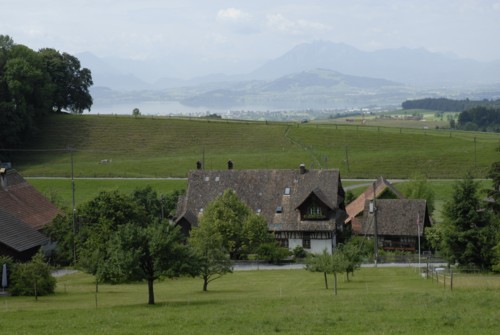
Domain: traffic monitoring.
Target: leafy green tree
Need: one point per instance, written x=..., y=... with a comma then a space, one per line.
x=320, y=263
x=419, y=188
x=70, y=82
x=124, y=238
x=136, y=112
x=468, y=232
x=150, y=253
x=33, y=278
x=335, y=263
x=494, y=193
x=354, y=253
x=212, y=259
x=242, y=230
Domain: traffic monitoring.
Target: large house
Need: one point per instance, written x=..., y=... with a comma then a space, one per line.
x=24, y=212
x=302, y=207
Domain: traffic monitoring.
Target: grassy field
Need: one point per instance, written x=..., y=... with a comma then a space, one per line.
x=376, y=301
x=60, y=193
x=121, y=146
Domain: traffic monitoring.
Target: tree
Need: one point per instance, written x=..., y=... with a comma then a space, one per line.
x=335, y=263
x=419, y=188
x=33, y=84
x=468, y=232
x=124, y=237
x=136, y=112
x=242, y=230
x=150, y=253
x=70, y=82
x=33, y=278
x=494, y=193
x=320, y=263
x=353, y=252
x=212, y=258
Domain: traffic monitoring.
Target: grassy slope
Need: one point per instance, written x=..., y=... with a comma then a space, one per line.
x=163, y=147
x=376, y=301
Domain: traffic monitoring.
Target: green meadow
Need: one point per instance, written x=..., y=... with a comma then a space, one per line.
x=149, y=147
x=375, y=301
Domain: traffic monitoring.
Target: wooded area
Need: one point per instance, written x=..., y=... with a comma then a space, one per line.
x=34, y=84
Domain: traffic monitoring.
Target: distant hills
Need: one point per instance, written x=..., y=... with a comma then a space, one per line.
x=319, y=88
x=310, y=75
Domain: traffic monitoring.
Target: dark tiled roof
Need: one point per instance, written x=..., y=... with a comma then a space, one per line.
x=23, y=201
x=18, y=235
x=263, y=191
x=356, y=207
x=396, y=217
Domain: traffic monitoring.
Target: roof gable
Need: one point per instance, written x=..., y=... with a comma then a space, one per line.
x=21, y=200
x=380, y=186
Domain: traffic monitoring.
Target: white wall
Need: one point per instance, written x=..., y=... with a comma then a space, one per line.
x=293, y=242
x=317, y=246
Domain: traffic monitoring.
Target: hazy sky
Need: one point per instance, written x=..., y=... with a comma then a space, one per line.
x=247, y=30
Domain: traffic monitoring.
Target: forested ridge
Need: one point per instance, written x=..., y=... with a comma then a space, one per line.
x=448, y=105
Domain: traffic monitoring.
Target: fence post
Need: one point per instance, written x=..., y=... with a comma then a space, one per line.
x=444, y=280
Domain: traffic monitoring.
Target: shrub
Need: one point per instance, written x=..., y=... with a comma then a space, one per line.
x=32, y=278
x=299, y=252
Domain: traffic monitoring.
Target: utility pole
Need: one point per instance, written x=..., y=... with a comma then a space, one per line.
x=375, y=228
x=475, y=152
x=346, y=158
x=74, y=209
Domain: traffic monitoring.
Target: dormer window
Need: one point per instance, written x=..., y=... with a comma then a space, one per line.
x=279, y=209
x=314, y=210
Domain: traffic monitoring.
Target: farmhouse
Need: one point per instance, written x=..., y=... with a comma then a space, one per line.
x=397, y=222
x=302, y=207
x=23, y=214
x=380, y=189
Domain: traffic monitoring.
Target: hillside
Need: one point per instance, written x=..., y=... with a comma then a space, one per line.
x=113, y=146
x=317, y=88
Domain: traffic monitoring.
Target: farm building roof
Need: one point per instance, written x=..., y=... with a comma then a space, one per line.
x=21, y=200
x=396, y=217
x=17, y=235
x=357, y=206
x=274, y=194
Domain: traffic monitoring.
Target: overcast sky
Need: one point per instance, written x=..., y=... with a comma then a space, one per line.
x=246, y=30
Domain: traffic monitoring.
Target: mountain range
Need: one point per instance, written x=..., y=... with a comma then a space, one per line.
x=319, y=70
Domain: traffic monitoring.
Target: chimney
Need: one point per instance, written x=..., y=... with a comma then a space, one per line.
x=199, y=166
x=302, y=168
x=229, y=164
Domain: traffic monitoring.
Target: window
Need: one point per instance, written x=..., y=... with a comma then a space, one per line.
x=207, y=178
x=314, y=212
x=282, y=242
x=217, y=178
x=279, y=209
x=287, y=190
x=306, y=241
